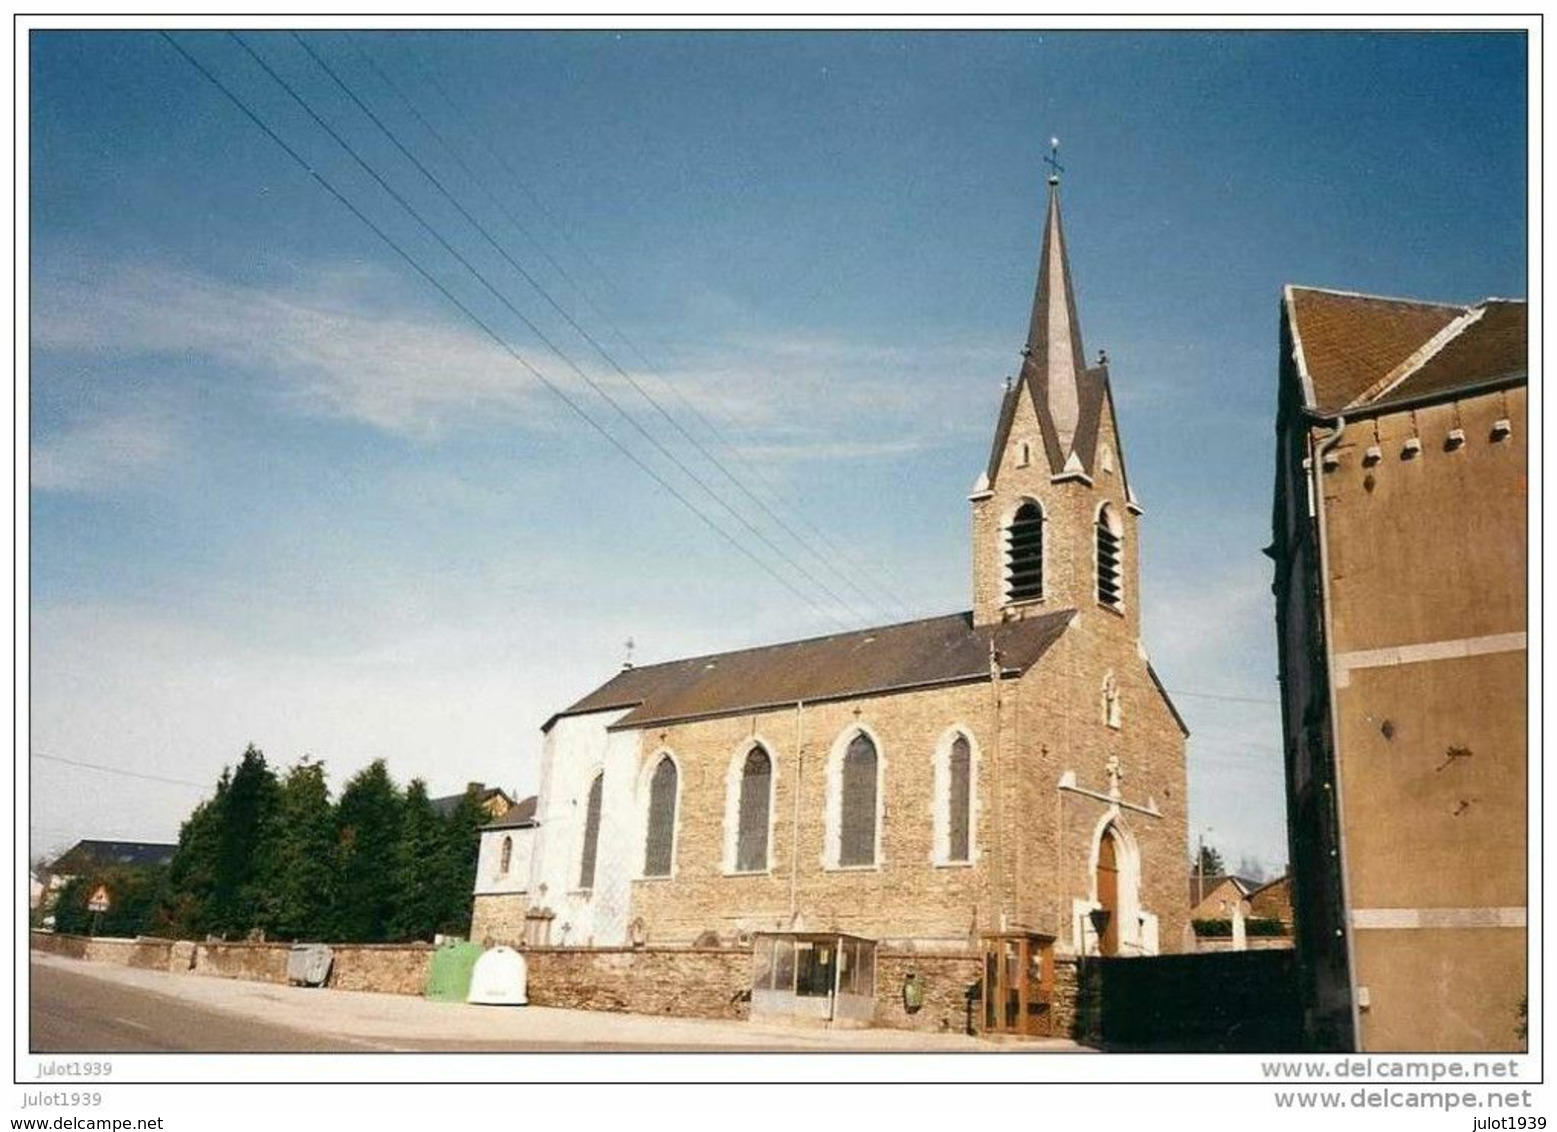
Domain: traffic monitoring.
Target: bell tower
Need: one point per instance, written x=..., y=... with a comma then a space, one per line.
x=1053, y=514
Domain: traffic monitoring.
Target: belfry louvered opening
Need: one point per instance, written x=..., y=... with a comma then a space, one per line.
x=1110, y=574
x=1024, y=554
x=659, y=844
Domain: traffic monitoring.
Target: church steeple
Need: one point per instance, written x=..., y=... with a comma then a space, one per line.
x=1055, y=358
x=1053, y=514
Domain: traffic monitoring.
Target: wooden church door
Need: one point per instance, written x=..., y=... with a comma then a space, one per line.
x=1108, y=895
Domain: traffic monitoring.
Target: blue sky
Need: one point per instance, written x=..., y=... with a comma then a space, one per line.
x=282, y=492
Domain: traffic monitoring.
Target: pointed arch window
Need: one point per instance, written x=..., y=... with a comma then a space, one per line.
x=1110, y=558
x=660, y=843
x=507, y=859
x=586, y=868
x=755, y=800
x=1024, y=553
x=959, y=798
x=857, y=804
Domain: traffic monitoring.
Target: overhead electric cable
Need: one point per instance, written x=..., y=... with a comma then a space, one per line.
x=831, y=564
x=877, y=573
x=500, y=341
x=502, y=298
x=118, y=770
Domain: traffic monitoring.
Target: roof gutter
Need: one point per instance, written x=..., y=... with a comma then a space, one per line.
x=1316, y=470
x=1396, y=405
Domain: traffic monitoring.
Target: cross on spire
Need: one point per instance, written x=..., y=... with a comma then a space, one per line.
x=1053, y=161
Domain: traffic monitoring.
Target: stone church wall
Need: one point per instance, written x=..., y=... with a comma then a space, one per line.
x=904, y=895
x=498, y=918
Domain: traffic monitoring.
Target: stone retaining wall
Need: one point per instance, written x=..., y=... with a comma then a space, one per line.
x=145, y=953
x=258, y=962
x=686, y=982
x=951, y=983
x=388, y=968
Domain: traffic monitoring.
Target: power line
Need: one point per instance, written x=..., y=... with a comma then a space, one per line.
x=568, y=317
x=501, y=342
x=119, y=770
x=831, y=564
x=873, y=574
x=1224, y=697
x=497, y=294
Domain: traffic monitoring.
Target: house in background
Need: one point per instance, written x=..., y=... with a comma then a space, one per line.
x=1272, y=902
x=1232, y=913
x=87, y=856
x=1400, y=543
x=493, y=800
x=1215, y=897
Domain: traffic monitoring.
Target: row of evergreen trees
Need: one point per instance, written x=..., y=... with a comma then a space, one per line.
x=275, y=855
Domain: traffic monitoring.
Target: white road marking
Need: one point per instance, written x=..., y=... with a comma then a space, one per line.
x=131, y=1022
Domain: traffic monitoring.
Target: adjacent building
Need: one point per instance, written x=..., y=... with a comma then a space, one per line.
x=1400, y=549
x=494, y=802
x=1012, y=768
x=503, y=877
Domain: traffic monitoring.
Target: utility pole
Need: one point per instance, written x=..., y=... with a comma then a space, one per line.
x=1200, y=864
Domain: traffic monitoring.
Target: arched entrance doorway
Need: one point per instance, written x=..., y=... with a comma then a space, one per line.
x=1107, y=914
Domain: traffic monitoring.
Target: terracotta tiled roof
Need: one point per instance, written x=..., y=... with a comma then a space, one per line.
x=1363, y=350
x=939, y=650
x=1348, y=342
x=1494, y=345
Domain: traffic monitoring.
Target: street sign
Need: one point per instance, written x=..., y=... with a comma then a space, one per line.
x=100, y=900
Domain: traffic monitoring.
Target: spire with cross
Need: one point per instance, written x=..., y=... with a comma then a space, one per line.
x=1053, y=161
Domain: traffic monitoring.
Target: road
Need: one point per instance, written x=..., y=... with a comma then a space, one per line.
x=75, y=1013
x=84, y=1007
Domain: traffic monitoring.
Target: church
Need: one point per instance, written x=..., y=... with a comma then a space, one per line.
x=1014, y=768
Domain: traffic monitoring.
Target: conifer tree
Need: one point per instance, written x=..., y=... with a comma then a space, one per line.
x=419, y=869
x=192, y=872
x=461, y=843
x=300, y=883
x=237, y=895
x=367, y=827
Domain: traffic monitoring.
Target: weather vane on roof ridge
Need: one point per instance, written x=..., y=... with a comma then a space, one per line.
x=1053, y=161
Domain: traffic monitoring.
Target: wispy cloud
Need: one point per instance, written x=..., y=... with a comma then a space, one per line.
x=99, y=455
x=341, y=341
x=350, y=342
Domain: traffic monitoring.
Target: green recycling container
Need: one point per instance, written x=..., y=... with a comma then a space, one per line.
x=448, y=975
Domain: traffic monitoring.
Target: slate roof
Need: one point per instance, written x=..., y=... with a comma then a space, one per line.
x=915, y=654
x=1054, y=352
x=521, y=815
x=1356, y=351
x=86, y=855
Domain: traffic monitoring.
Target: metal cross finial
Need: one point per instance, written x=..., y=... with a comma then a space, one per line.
x=630, y=646
x=1053, y=161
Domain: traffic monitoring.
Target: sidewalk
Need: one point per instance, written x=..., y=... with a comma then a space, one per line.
x=403, y=1022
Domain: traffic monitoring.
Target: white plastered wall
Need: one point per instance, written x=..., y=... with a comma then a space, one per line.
x=491, y=880
x=575, y=750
